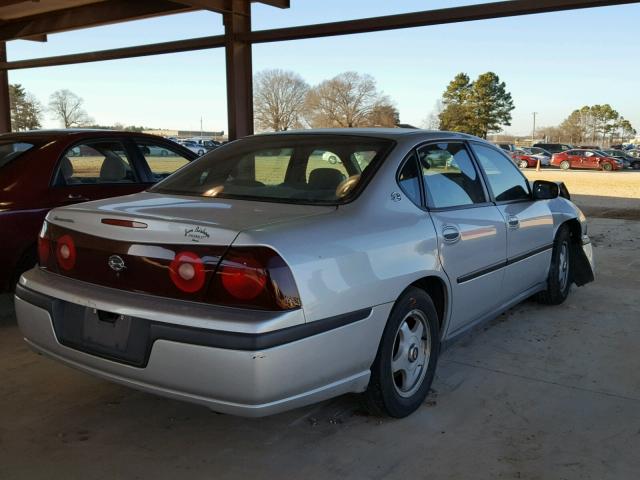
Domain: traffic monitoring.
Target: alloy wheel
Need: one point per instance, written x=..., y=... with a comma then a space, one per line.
x=411, y=353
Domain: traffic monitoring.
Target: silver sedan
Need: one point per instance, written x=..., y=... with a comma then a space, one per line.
x=262, y=277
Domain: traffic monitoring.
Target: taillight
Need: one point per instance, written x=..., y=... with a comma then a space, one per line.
x=243, y=277
x=187, y=272
x=254, y=277
x=66, y=252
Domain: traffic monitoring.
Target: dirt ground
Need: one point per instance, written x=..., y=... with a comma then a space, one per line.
x=540, y=393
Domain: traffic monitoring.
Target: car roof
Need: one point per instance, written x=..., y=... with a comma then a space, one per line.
x=54, y=134
x=390, y=133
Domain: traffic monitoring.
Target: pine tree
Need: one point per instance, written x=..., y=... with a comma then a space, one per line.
x=491, y=105
x=479, y=108
x=26, y=110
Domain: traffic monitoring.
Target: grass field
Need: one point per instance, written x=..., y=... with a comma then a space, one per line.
x=270, y=170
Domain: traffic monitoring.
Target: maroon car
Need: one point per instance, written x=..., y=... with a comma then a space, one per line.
x=593, y=159
x=523, y=160
x=41, y=170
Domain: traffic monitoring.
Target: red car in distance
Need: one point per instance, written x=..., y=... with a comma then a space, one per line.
x=522, y=160
x=41, y=170
x=591, y=159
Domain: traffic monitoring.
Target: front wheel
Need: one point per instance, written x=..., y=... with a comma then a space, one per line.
x=565, y=165
x=607, y=167
x=559, y=279
x=403, y=370
x=523, y=164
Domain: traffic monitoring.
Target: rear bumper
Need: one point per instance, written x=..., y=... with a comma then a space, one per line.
x=261, y=376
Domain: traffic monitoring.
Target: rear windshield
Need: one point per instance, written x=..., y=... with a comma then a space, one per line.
x=324, y=169
x=12, y=150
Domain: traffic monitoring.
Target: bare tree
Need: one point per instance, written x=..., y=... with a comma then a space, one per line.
x=66, y=106
x=349, y=100
x=279, y=99
x=432, y=122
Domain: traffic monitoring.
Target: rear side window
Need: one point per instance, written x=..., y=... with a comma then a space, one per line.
x=449, y=176
x=12, y=150
x=505, y=180
x=409, y=179
x=96, y=162
x=161, y=159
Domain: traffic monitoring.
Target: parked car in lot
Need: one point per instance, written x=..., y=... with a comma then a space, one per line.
x=554, y=147
x=194, y=147
x=627, y=160
x=634, y=153
x=508, y=147
x=43, y=169
x=540, y=151
x=255, y=283
x=524, y=157
x=591, y=159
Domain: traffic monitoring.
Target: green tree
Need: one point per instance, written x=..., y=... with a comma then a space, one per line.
x=626, y=129
x=479, y=108
x=491, y=105
x=455, y=114
x=26, y=110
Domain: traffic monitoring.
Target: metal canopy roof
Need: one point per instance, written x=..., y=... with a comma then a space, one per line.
x=35, y=19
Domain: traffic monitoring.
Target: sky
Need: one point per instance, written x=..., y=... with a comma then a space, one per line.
x=552, y=63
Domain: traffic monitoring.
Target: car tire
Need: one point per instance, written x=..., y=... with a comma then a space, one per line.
x=607, y=167
x=523, y=164
x=565, y=165
x=200, y=153
x=560, y=273
x=410, y=344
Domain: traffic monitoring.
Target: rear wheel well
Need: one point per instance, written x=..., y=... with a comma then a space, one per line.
x=436, y=289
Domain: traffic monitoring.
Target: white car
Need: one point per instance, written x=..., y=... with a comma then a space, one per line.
x=253, y=283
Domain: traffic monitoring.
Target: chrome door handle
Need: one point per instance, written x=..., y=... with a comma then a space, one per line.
x=513, y=221
x=450, y=234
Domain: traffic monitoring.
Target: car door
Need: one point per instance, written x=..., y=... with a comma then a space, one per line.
x=575, y=158
x=529, y=222
x=471, y=231
x=159, y=159
x=590, y=160
x=92, y=170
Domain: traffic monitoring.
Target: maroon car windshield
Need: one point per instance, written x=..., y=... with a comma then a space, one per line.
x=295, y=168
x=12, y=150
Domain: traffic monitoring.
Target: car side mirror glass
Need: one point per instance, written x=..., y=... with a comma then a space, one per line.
x=544, y=190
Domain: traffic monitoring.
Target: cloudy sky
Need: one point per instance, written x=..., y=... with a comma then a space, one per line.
x=552, y=63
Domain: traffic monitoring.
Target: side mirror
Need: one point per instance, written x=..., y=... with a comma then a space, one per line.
x=544, y=190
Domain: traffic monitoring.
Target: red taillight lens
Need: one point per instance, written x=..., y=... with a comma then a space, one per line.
x=66, y=252
x=243, y=277
x=187, y=272
x=254, y=277
x=44, y=250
